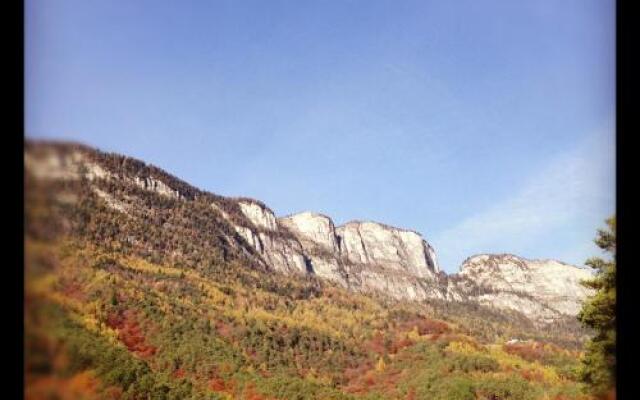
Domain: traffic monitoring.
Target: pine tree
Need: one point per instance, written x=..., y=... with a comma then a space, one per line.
x=599, y=313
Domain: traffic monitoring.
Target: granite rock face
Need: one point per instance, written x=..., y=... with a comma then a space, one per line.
x=313, y=229
x=317, y=236
x=259, y=216
x=366, y=256
x=158, y=186
x=277, y=251
x=395, y=248
x=541, y=289
x=50, y=163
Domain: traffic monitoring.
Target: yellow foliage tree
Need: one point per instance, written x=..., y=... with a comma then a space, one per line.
x=381, y=365
x=414, y=334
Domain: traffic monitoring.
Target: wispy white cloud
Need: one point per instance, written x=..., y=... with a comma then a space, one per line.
x=554, y=215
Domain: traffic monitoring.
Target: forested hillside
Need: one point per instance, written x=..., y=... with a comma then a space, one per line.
x=135, y=294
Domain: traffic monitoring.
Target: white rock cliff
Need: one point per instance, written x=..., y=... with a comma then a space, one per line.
x=539, y=288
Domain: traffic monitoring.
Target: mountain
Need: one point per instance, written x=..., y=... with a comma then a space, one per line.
x=123, y=254
x=363, y=256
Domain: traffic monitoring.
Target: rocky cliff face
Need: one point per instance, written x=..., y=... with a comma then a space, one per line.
x=281, y=252
x=317, y=235
x=366, y=256
x=361, y=256
x=541, y=289
x=45, y=162
x=158, y=186
x=399, y=249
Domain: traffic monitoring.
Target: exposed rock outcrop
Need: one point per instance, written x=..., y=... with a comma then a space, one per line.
x=366, y=256
x=395, y=248
x=541, y=289
x=317, y=235
x=261, y=217
x=51, y=163
x=158, y=186
x=75, y=163
x=314, y=230
x=278, y=251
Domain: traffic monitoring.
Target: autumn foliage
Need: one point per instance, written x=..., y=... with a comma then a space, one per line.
x=158, y=302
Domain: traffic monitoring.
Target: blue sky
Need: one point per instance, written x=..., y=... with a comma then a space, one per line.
x=486, y=126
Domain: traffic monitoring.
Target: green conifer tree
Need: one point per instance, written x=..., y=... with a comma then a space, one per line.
x=599, y=313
